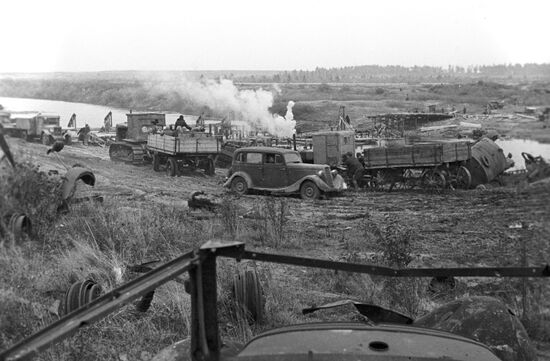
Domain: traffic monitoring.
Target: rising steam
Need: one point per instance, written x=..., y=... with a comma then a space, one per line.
x=250, y=106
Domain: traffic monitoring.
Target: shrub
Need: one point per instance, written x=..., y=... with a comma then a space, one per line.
x=394, y=245
x=273, y=218
x=27, y=190
x=230, y=217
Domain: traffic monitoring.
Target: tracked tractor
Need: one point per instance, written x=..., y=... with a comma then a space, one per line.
x=131, y=137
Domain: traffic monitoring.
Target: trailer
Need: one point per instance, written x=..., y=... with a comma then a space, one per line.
x=181, y=150
x=432, y=165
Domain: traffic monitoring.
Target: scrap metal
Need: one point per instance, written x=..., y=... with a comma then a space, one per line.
x=201, y=266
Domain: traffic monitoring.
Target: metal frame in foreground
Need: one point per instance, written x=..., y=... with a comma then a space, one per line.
x=201, y=267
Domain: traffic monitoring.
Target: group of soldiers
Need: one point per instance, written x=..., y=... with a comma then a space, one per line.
x=181, y=123
x=354, y=167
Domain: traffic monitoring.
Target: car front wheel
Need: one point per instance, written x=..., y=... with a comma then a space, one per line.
x=309, y=190
x=239, y=186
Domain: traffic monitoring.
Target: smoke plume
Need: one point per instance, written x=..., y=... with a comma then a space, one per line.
x=250, y=106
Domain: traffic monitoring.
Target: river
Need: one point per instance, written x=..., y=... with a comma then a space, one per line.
x=94, y=115
x=90, y=114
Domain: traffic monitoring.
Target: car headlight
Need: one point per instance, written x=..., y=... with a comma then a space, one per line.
x=320, y=173
x=334, y=173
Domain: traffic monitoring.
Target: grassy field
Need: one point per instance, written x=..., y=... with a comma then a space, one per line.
x=144, y=217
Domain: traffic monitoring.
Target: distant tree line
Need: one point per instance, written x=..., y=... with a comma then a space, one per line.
x=402, y=74
x=126, y=94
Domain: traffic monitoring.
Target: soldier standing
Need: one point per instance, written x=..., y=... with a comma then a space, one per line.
x=354, y=169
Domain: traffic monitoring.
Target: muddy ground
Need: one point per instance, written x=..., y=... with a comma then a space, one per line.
x=497, y=226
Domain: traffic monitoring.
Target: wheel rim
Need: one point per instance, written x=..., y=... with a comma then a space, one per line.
x=309, y=191
x=463, y=178
x=434, y=180
x=239, y=186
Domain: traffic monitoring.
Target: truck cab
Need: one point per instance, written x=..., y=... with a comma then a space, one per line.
x=33, y=125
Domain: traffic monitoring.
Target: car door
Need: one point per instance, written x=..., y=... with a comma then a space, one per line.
x=274, y=171
x=251, y=164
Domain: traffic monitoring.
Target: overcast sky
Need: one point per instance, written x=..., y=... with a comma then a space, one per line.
x=58, y=35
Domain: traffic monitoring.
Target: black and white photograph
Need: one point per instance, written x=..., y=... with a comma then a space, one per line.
x=274, y=180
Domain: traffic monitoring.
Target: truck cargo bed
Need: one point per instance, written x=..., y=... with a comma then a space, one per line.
x=189, y=143
x=417, y=155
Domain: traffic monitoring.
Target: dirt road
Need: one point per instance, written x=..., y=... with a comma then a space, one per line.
x=451, y=228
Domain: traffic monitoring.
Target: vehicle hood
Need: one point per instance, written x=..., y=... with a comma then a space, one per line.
x=347, y=341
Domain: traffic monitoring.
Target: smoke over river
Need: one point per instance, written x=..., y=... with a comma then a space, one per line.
x=250, y=106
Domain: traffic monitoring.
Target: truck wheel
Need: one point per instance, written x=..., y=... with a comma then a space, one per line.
x=171, y=167
x=239, y=186
x=309, y=190
x=45, y=138
x=463, y=178
x=68, y=140
x=156, y=162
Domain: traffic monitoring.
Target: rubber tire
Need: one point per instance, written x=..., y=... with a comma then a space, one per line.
x=171, y=167
x=309, y=191
x=67, y=139
x=239, y=185
x=45, y=139
x=72, y=298
x=247, y=293
x=156, y=162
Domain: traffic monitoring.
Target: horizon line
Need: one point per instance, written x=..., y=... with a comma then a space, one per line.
x=444, y=67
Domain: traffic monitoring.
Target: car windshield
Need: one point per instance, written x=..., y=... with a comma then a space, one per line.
x=51, y=121
x=292, y=158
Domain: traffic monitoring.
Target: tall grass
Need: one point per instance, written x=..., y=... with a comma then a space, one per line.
x=272, y=217
x=100, y=241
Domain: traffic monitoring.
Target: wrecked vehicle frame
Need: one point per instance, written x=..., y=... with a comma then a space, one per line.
x=202, y=286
